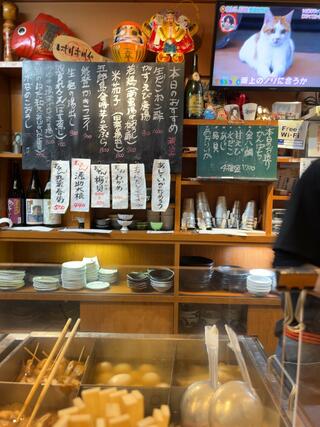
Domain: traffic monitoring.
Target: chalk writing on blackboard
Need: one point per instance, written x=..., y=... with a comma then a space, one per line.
x=106, y=112
x=232, y=151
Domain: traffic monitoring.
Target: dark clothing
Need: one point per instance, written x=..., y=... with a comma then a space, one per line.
x=298, y=242
x=299, y=236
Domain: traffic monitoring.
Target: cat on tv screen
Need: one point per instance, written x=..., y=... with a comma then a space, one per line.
x=266, y=45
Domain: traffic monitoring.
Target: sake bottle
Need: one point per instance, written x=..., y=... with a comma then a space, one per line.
x=50, y=219
x=194, y=93
x=34, y=201
x=16, y=199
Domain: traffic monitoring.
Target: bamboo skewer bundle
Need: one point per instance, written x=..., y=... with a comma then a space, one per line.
x=52, y=362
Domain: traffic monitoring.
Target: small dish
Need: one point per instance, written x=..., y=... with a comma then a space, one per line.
x=156, y=226
x=97, y=286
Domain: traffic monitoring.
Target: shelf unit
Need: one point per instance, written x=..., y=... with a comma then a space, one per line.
x=136, y=247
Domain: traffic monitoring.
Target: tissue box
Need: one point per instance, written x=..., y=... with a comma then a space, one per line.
x=287, y=110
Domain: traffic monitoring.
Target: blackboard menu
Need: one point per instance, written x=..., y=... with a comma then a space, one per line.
x=108, y=112
x=237, y=152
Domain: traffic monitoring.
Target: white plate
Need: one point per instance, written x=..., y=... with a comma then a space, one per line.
x=97, y=286
x=108, y=271
x=74, y=264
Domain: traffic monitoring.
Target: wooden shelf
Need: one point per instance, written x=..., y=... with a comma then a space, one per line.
x=117, y=293
x=131, y=237
x=204, y=122
x=284, y=159
x=280, y=198
x=9, y=155
x=11, y=68
x=221, y=297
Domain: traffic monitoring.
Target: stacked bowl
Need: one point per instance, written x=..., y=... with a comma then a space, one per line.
x=229, y=278
x=11, y=279
x=92, y=270
x=109, y=275
x=195, y=273
x=46, y=283
x=73, y=275
x=259, y=286
x=138, y=281
x=161, y=279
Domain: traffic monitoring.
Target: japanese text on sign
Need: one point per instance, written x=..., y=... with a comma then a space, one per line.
x=161, y=180
x=119, y=176
x=60, y=186
x=80, y=185
x=138, y=190
x=237, y=151
x=100, y=186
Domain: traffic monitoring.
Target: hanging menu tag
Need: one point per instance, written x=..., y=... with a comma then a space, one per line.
x=60, y=186
x=100, y=186
x=160, y=185
x=138, y=190
x=80, y=185
x=119, y=176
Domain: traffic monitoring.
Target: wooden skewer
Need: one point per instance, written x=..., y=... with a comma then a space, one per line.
x=34, y=357
x=43, y=370
x=44, y=353
x=52, y=374
x=81, y=354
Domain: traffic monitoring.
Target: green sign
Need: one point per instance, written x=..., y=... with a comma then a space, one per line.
x=237, y=152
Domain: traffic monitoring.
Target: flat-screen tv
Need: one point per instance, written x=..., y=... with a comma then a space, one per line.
x=266, y=45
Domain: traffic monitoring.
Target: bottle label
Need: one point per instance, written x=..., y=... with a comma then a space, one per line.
x=34, y=211
x=196, y=76
x=48, y=217
x=15, y=210
x=195, y=105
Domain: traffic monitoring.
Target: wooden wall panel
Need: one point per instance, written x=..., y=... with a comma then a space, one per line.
x=261, y=322
x=244, y=256
x=108, y=254
x=127, y=317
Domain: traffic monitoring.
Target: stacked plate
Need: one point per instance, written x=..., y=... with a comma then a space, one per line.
x=259, y=286
x=92, y=271
x=110, y=275
x=161, y=279
x=229, y=278
x=46, y=283
x=11, y=279
x=138, y=281
x=73, y=275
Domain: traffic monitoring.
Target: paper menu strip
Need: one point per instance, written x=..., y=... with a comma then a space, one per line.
x=138, y=188
x=119, y=177
x=100, y=186
x=60, y=186
x=161, y=180
x=80, y=185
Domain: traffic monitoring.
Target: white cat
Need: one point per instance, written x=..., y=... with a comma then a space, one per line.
x=270, y=52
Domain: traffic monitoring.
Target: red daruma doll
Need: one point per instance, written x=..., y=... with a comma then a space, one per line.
x=129, y=43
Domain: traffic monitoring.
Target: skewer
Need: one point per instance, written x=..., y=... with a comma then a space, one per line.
x=34, y=357
x=52, y=374
x=43, y=370
x=45, y=353
x=81, y=354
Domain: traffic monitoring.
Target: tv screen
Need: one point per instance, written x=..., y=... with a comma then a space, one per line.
x=267, y=46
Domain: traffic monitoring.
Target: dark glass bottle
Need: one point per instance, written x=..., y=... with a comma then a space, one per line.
x=194, y=93
x=34, y=201
x=49, y=218
x=16, y=199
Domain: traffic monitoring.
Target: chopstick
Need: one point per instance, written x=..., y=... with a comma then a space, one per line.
x=43, y=370
x=52, y=373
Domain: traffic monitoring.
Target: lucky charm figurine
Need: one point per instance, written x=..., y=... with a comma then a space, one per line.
x=33, y=39
x=129, y=43
x=9, y=13
x=170, y=35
